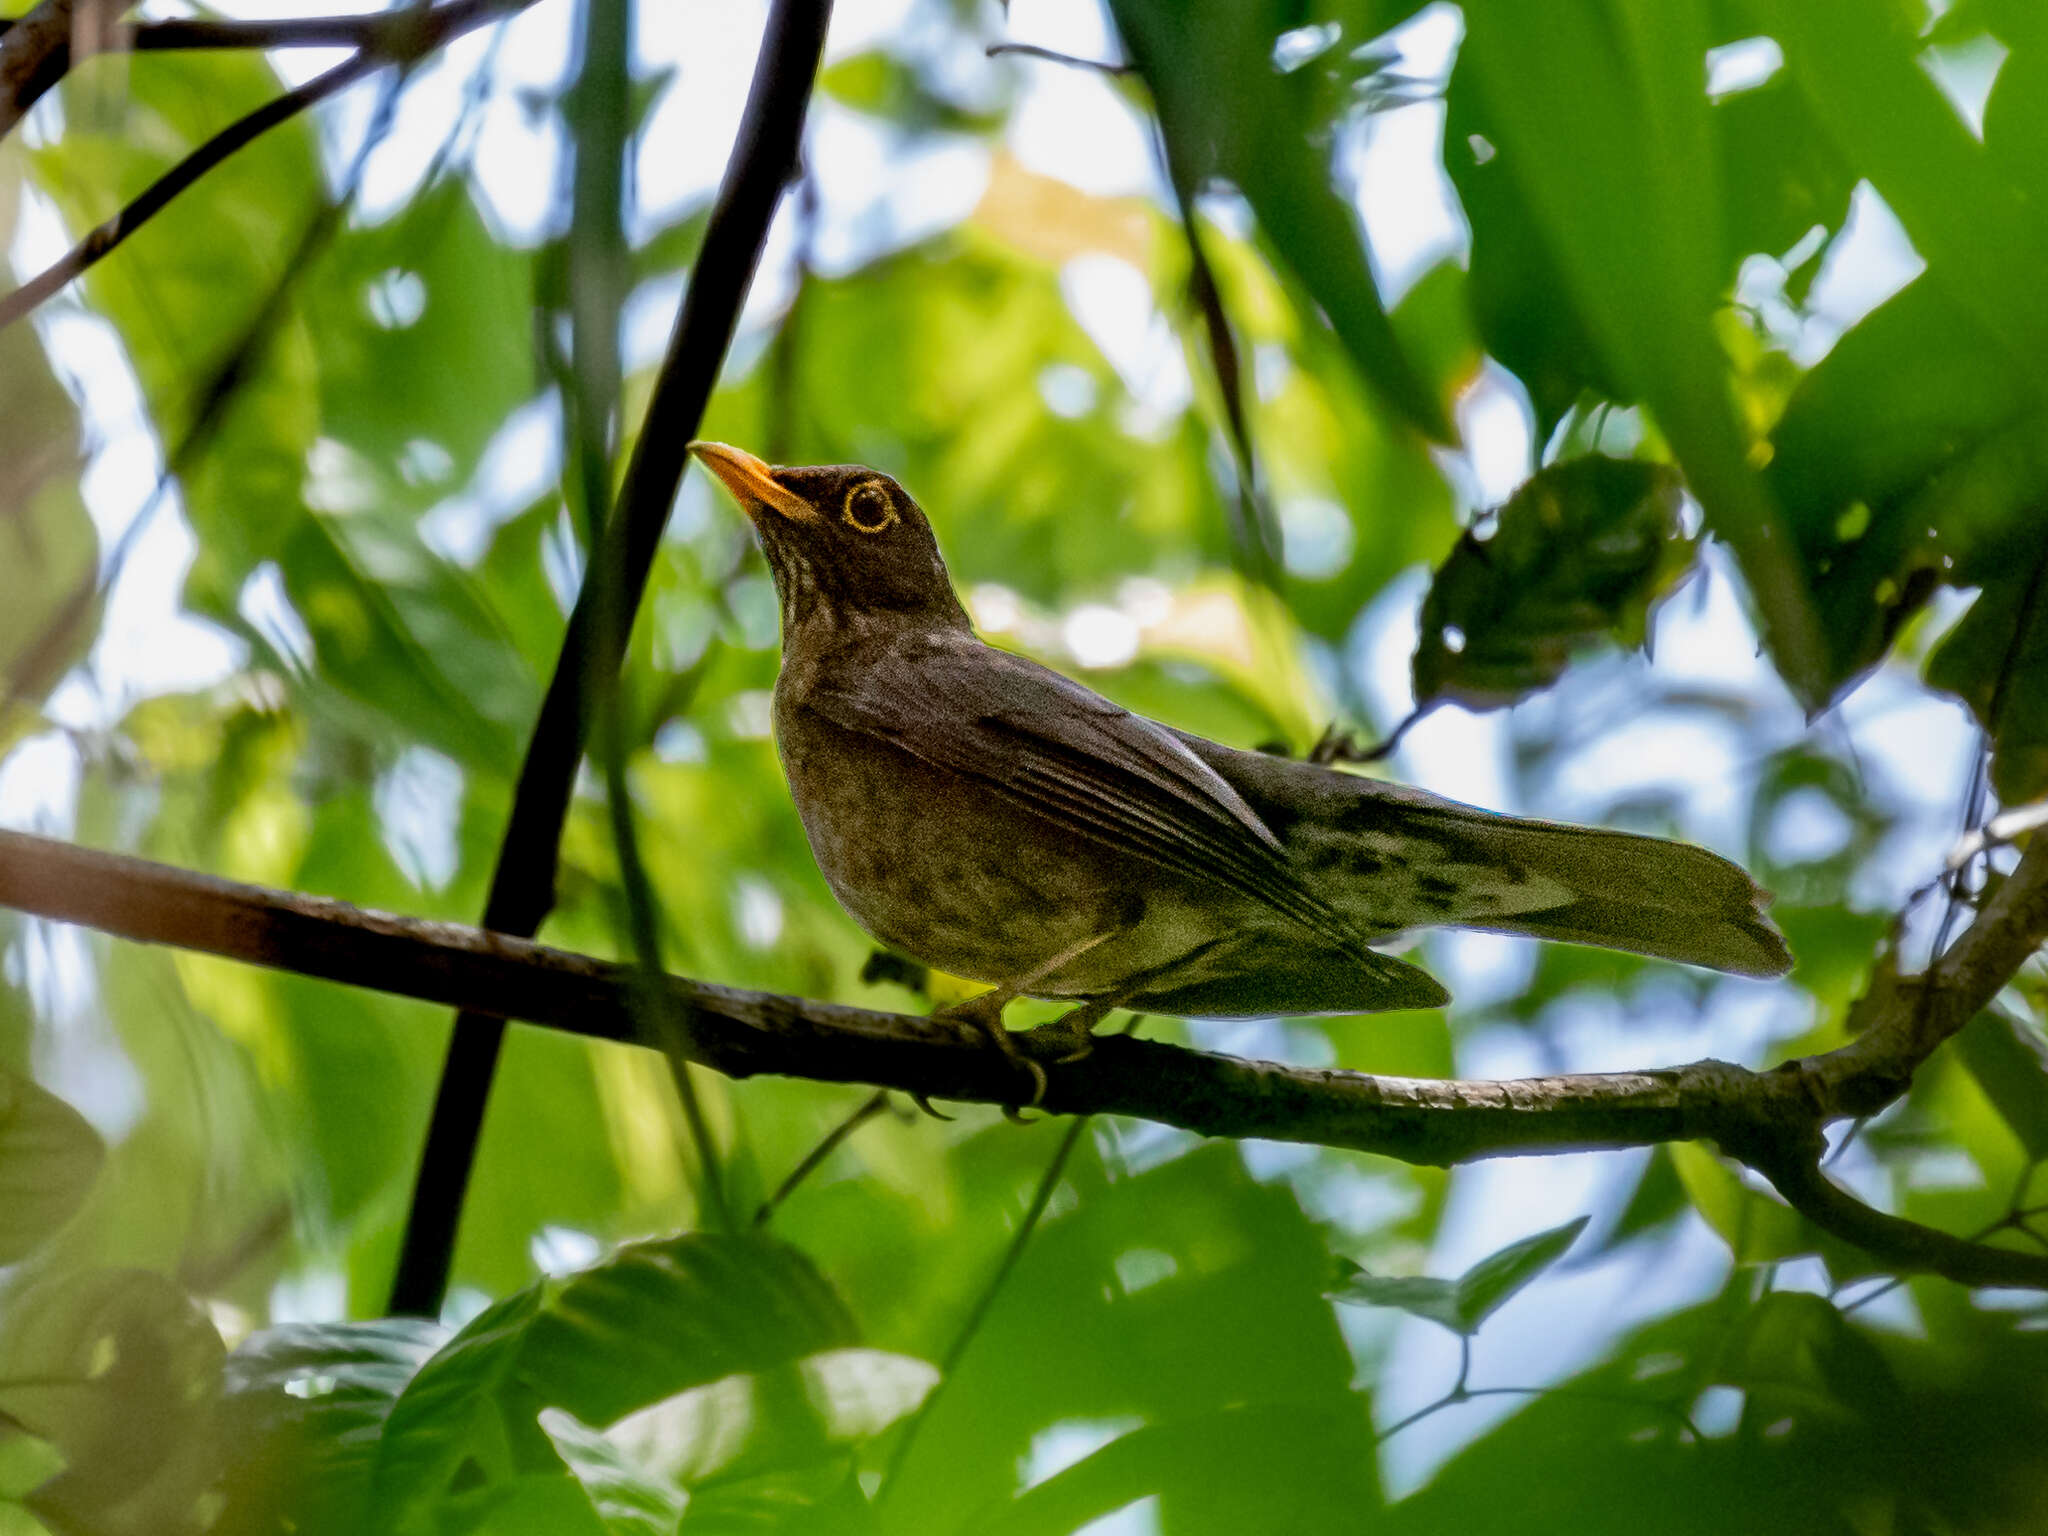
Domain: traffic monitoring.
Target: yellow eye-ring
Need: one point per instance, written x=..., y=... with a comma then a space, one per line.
x=870, y=507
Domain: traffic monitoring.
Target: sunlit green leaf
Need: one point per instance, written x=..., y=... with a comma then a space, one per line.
x=629, y=1501
x=2008, y=1061
x=1757, y=1227
x=651, y=1321
x=120, y=1370
x=49, y=1157
x=1598, y=117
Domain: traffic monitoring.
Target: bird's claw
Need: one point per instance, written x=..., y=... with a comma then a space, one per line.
x=1071, y=1035
x=924, y=1103
x=978, y=1012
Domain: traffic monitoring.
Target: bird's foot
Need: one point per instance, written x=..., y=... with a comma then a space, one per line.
x=1071, y=1036
x=985, y=1013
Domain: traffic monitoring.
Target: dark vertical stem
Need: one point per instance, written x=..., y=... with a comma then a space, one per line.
x=599, y=112
x=1256, y=536
x=522, y=889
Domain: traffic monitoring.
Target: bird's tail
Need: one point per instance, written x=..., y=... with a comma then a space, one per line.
x=1587, y=885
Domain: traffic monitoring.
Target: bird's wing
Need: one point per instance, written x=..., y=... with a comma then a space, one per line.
x=1074, y=757
x=1390, y=857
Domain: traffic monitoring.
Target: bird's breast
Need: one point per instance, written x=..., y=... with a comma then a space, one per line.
x=942, y=867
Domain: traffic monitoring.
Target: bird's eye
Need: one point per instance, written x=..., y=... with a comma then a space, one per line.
x=870, y=507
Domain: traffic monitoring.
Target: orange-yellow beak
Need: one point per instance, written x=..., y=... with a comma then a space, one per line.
x=751, y=481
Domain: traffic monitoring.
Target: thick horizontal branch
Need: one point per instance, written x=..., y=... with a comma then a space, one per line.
x=1768, y=1119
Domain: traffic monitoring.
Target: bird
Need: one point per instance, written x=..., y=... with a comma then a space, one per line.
x=996, y=820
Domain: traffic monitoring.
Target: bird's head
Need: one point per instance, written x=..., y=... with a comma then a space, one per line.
x=843, y=541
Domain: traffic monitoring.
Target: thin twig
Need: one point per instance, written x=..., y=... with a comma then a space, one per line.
x=523, y=884
x=380, y=30
x=1054, y=56
x=35, y=658
x=422, y=34
x=103, y=238
x=598, y=108
x=814, y=1159
x=1257, y=538
x=978, y=1314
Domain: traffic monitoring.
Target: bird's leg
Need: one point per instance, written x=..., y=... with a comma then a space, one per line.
x=985, y=1010
x=1073, y=1032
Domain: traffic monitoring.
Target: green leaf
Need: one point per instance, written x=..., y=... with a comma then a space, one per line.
x=2009, y=1063
x=802, y=1412
x=1781, y=174
x=120, y=1370
x=1581, y=552
x=1798, y=1353
x=654, y=1319
x=1226, y=110
x=184, y=290
x=1758, y=1228
x=26, y=1462
x=1996, y=658
x=1598, y=116
x=1845, y=55
x=303, y=1406
x=1879, y=519
x=1194, y=1467
x=49, y=1158
x=1463, y=1304
x=822, y=1499
x=1094, y=1323
x=629, y=1500
x=49, y=552
x=1420, y=1295
x=1486, y=1286
x=880, y=83
x=396, y=300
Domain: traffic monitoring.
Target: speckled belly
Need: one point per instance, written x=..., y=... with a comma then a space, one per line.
x=944, y=869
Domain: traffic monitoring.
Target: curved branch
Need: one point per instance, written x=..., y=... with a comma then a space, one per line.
x=1904, y=1245
x=1769, y=1120
x=1904, y=1020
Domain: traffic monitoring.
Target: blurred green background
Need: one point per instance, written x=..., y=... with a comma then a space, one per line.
x=1791, y=253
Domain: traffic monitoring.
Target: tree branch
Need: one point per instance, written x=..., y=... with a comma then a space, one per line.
x=1770, y=1120
x=523, y=885
x=400, y=38
x=34, y=53
x=381, y=31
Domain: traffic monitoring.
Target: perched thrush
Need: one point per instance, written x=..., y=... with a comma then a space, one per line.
x=985, y=815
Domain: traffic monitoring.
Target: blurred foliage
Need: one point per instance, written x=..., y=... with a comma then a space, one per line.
x=1583, y=549
x=1670, y=218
